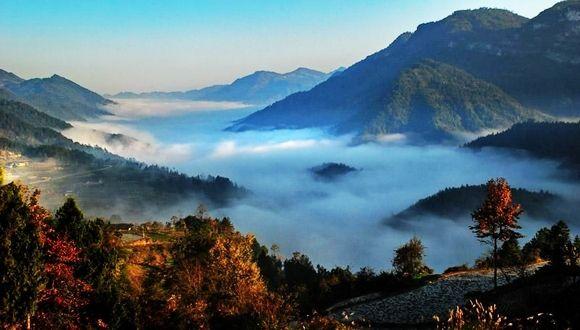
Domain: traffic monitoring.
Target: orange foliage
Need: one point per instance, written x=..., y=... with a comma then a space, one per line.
x=234, y=275
x=224, y=285
x=497, y=217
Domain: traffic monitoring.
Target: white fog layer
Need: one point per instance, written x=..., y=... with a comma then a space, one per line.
x=338, y=222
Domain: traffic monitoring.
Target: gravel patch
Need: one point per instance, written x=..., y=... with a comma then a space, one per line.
x=419, y=305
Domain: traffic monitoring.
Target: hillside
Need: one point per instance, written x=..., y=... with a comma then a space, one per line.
x=435, y=99
x=259, y=88
x=22, y=123
x=554, y=140
x=108, y=186
x=7, y=95
x=506, y=54
x=30, y=115
x=417, y=307
x=457, y=204
x=8, y=78
x=58, y=97
x=102, y=181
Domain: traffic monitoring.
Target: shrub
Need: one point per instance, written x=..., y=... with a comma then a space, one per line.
x=456, y=269
x=408, y=261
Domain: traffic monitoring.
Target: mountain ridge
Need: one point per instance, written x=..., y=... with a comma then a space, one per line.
x=57, y=96
x=8, y=77
x=494, y=46
x=260, y=87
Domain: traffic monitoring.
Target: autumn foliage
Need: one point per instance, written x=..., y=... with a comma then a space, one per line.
x=216, y=283
x=63, y=294
x=42, y=267
x=497, y=218
x=69, y=272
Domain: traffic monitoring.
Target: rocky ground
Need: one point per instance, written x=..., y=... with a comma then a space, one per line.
x=417, y=306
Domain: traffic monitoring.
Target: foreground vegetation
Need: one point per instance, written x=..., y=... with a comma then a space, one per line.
x=63, y=270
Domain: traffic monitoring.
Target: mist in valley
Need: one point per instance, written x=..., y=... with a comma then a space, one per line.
x=338, y=222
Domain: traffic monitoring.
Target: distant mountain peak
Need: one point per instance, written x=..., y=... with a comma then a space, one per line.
x=486, y=19
x=56, y=96
x=482, y=12
x=8, y=77
x=565, y=12
x=304, y=70
x=59, y=78
x=261, y=72
x=490, y=68
x=8, y=73
x=472, y=20
x=258, y=88
x=299, y=70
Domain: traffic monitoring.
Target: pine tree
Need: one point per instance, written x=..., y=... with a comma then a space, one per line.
x=69, y=220
x=559, y=239
x=510, y=253
x=20, y=255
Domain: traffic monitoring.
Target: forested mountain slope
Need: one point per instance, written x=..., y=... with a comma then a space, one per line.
x=559, y=141
x=101, y=180
x=457, y=203
x=524, y=66
x=56, y=96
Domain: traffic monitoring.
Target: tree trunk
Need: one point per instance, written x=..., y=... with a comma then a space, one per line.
x=495, y=263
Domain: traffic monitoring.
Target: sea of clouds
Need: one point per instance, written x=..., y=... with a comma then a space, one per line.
x=336, y=223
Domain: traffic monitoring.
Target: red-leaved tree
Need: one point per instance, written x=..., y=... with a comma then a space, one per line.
x=497, y=219
x=63, y=295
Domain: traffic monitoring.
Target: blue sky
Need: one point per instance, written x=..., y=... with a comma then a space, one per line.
x=114, y=45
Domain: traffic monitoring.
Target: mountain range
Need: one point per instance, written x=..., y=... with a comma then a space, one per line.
x=258, y=88
x=474, y=70
x=56, y=96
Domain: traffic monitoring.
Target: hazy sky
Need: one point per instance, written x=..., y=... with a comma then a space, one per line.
x=110, y=45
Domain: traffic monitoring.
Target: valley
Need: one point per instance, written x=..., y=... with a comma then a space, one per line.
x=290, y=207
x=183, y=165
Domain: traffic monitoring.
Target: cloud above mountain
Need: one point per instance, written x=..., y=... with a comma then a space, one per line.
x=141, y=108
x=289, y=207
x=128, y=142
